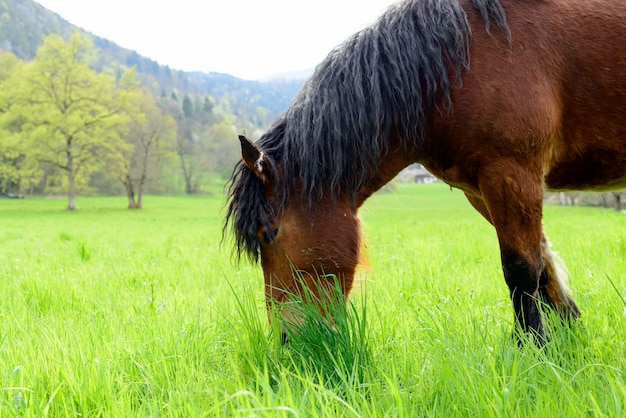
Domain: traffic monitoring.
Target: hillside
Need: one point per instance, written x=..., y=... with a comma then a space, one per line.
x=24, y=23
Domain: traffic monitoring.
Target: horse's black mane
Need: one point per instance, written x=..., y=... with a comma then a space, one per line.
x=385, y=77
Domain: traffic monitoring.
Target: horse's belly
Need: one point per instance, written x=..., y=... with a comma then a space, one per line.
x=599, y=170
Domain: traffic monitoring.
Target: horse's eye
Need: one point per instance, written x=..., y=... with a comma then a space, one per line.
x=270, y=236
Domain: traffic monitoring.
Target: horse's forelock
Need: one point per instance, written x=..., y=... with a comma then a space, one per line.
x=242, y=211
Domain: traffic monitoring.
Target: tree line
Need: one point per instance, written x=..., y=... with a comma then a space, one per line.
x=615, y=199
x=66, y=128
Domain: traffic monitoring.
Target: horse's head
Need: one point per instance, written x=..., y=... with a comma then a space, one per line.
x=306, y=246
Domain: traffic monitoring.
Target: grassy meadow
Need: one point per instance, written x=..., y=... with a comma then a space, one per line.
x=118, y=313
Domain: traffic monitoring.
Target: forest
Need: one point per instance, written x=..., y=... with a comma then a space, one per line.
x=67, y=129
x=80, y=115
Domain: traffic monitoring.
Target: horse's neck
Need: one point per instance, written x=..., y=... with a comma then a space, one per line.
x=396, y=159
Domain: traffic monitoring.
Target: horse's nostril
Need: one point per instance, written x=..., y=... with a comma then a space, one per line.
x=284, y=337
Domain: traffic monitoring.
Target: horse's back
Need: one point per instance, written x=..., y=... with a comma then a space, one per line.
x=557, y=92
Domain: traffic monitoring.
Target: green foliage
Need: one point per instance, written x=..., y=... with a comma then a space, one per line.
x=204, y=143
x=23, y=25
x=101, y=316
x=17, y=165
x=57, y=104
x=151, y=136
x=70, y=115
x=222, y=151
x=187, y=107
x=209, y=109
x=8, y=64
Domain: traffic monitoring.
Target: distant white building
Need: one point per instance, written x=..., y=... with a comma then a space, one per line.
x=416, y=173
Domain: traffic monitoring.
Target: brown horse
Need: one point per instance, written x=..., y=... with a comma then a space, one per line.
x=500, y=99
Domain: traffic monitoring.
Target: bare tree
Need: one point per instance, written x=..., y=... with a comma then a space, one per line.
x=146, y=134
x=617, y=196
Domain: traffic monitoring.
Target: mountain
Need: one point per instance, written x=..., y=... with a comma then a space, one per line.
x=24, y=23
x=293, y=75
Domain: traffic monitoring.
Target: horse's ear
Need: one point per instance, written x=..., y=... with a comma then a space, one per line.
x=254, y=158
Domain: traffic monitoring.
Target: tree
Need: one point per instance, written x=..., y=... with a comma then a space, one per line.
x=207, y=105
x=9, y=126
x=222, y=151
x=189, y=151
x=146, y=134
x=188, y=147
x=187, y=107
x=71, y=114
x=18, y=170
x=617, y=196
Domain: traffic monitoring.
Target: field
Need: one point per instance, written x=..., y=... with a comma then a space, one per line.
x=111, y=312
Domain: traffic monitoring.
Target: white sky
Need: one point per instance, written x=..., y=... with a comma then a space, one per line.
x=249, y=39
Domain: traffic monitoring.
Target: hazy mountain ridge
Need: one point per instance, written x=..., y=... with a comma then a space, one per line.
x=292, y=75
x=24, y=23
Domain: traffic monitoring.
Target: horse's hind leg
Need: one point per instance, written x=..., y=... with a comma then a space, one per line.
x=553, y=283
x=553, y=289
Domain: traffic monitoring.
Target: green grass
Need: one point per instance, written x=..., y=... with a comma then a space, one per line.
x=110, y=312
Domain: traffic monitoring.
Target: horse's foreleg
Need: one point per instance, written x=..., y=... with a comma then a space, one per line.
x=513, y=197
x=553, y=289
